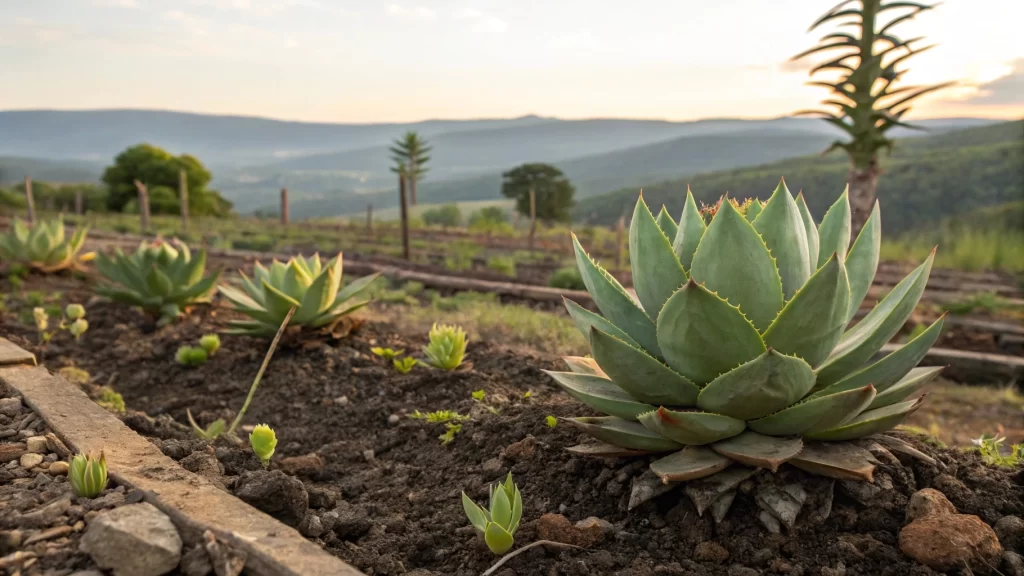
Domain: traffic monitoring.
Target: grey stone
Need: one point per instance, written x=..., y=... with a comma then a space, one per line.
x=10, y=406
x=1010, y=530
x=196, y=562
x=1013, y=564
x=133, y=540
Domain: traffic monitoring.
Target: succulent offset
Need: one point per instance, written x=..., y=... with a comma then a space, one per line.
x=160, y=278
x=736, y=348
x=447, y=347
x=263, y=441
x=498, y=523
x=43, y=247
x=87, y=475
x=314, y=289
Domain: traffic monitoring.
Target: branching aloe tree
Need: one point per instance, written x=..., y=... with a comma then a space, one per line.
x=411, y=150
x=865, y=101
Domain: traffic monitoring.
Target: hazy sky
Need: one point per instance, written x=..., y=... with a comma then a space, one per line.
x=370, y=60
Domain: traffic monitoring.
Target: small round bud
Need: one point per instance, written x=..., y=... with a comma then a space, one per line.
x=74, y=311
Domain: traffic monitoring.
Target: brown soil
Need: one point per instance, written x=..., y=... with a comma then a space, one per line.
x=399, y=487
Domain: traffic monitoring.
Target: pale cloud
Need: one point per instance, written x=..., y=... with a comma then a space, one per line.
x=39, y=33
x=115, y=3
x=195, y=24
x=1007, y=89
x=482, y=21
x=413, y=12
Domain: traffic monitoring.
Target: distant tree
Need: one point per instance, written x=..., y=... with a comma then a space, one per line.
x=447, y=216
x=554, y=193
x=155, y=168
x=865, y=101
x=411, y=151
x=492, y=214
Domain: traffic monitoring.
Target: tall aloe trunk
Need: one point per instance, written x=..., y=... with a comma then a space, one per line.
x=863, y=181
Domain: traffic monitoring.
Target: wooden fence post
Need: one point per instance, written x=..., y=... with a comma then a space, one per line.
x=143, y=207
x=183, y=199
x=79, y=202
x=30, y=201
x=284, y=206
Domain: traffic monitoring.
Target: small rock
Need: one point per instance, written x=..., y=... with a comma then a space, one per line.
x=311, y=526
x=306, y=465
x=370, y=456
x=592, y=530
x=740, y=570
x=58, y=468
x=522, y=450
x=31, y=460
x=10, y=541
x=710, y=552
x=491, y=466
x=321, y=497
x=1013, y=564
x=86, y=573
x=54, y=444
x=10, y=406
x=1010, y=530
x=928, y=502
x=951, y=541
x=196, y=562
x=204, y=464
x=11, y=452
x=557, y=528
x=109, y=500
x=352, y=521
x=394, y=419
x=274, y=492
x=343, y=401
x=36, y=444
x=133, y=540
x=42, y=479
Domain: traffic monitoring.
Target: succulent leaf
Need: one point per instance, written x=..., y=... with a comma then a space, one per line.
x=862, y=261
x=733, y=261
x=691, y=428
x=906, y=387
x=690, y=463
x=758, y=450
x=691, y=230
x=474, y=513
x=810, y=229
x=760, y=387
x=885, y=372
x=642, y=376
x=584, y=365
x=865, y=339
x=615, y=304
x=585, y=320
x=600, y=394
x=815, y=414
x=841, y=461
x=667, y=224
x=813, y=321
x=870, y=422
x=702, y=336
x=623, y=433
x=782, y=228
x=498, y=540
x=657, y=273
x=834, y=231
x=43, y=247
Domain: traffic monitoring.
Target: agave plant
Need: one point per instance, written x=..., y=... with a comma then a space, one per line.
x=736, y=349
x=88, y=475
x=303, y=283
x=497, y=524
x=43, y=247
x=160, y=278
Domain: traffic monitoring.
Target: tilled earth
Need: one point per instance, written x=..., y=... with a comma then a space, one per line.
x=354, y=472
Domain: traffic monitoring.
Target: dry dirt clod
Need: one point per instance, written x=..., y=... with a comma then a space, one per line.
x=950, y=542
x=708, y=551
x=305, y=465
x=928, y=502
x=557, y=528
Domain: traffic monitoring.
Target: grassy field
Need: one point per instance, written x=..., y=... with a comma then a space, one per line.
x=467, y=208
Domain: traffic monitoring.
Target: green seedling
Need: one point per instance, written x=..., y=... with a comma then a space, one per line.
x=990, y=449
x=498, y=524
x=387, y=353
x=87, y=475
x=404, y=365
x=551, y=421
x=478, y=396
x=451, y=420
x=210, y=343
x=191, y=356
x=447, y=347
x=263, y=441
x=111, y=400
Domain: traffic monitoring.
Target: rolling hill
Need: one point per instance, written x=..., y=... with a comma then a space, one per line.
x=13, y=168
x=924, y=179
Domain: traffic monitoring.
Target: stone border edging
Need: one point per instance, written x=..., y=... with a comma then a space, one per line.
x=193, y=503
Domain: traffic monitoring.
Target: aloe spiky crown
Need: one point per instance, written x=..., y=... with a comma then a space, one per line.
x=736, y=349
x=43, y=247
x=314, y=289
x=161, y=278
